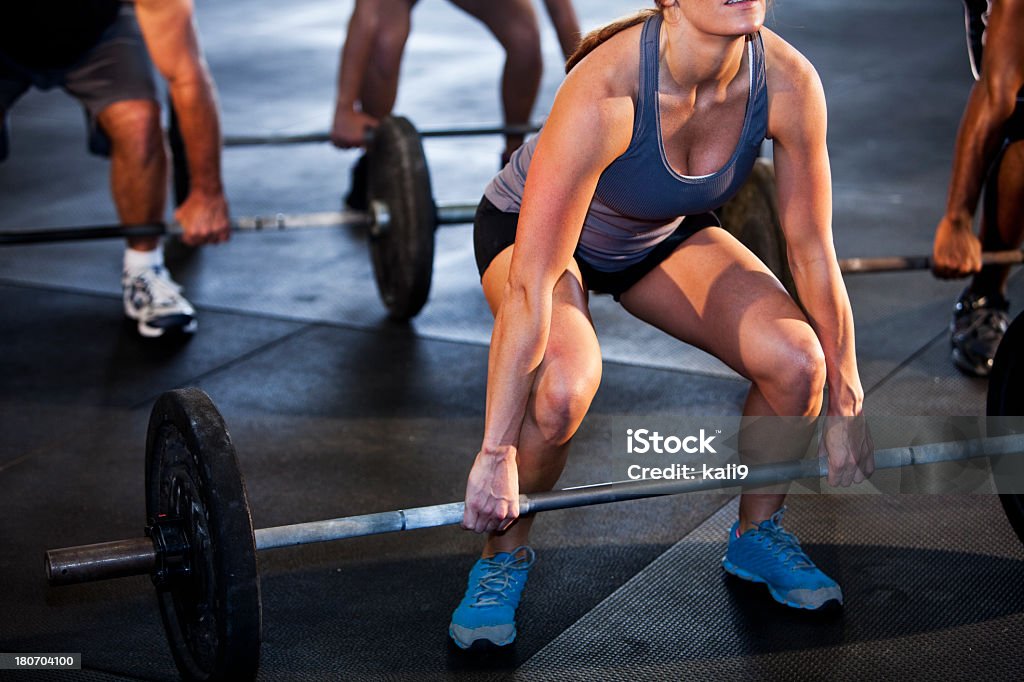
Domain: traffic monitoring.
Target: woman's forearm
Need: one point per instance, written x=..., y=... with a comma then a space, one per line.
x=517, y=348
x=823, y=294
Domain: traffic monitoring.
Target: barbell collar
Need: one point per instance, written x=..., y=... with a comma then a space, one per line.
x=380, y=218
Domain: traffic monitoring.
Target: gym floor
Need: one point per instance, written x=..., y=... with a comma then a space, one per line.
x=337, y=411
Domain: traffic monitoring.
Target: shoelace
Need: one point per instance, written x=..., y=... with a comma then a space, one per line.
x=160, y=288
x=783, y=542
x=499, y=575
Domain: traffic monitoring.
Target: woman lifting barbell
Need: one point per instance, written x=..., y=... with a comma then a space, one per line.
x=635, y=139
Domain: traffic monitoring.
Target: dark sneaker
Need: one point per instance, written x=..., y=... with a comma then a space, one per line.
x=772, y=556
x=979, y=323
x=153, y=299
x=487, y=613
x=358, y=198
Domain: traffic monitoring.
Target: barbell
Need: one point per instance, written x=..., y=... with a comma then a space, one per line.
x=200, y=548
x=403, y=218
x=263, y=140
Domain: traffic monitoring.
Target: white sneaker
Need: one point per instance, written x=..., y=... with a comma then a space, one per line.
x=155, y=300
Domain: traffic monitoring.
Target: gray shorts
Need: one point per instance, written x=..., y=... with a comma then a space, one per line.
x=117, y=68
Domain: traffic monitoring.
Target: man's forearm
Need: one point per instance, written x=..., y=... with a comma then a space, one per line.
x=977, y=142
x=195, y=104
x=355, y=54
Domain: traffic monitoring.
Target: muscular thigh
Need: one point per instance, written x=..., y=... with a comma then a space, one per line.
x=573, y=351
x=713, y=293
x=500, y=16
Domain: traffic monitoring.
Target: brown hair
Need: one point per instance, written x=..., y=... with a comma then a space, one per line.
x=592, y=40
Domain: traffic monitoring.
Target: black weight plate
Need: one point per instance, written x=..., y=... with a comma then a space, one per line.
x=213, y=616
x=403, y=253
x=752, y=216
x=1005, y=399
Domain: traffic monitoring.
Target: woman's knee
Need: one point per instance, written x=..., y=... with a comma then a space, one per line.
x=561, y=400
x=791, y=374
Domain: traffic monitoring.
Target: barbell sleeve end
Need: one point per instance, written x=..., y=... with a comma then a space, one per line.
x=101, y=561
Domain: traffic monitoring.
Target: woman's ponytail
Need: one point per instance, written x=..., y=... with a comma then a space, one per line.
x=590, y=41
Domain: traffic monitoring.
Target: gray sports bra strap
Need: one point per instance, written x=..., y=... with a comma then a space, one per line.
x=647, y=96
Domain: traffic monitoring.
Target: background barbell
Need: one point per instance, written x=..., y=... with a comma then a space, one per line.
x=404, y=217
x=256, y=140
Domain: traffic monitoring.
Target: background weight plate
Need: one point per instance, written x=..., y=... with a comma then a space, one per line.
x=1005, y=399
x=752, y=216
x=403, y=254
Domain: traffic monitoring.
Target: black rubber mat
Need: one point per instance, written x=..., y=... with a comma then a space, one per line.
x=933, y=588
x=67, y=348
x=328, y=422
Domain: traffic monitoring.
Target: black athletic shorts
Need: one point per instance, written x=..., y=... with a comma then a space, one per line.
x=494, y=231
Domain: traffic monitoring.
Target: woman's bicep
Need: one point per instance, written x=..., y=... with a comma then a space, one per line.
x=582, y=136
x=803, y=175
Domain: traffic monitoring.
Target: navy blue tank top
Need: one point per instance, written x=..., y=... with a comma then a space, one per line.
x=642, y=184
x=639, y=197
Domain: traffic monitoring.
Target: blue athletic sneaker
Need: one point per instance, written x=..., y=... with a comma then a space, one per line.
x=488, y=611
x=770, y=555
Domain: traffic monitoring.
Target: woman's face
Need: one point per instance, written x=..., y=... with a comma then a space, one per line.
x=720, y=17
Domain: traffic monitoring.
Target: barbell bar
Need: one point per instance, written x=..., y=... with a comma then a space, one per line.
x=139, y=557
x=254, y=140
x=375, y=219
x=403, y=218
x=447, y=214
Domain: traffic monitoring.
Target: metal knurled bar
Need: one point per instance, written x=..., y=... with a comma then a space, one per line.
x=447, y=214
x=321, y=137
x=137, y=556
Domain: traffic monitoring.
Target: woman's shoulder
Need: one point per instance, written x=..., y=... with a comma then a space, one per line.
x=786, y=68
x=613, y=68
